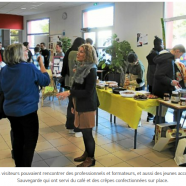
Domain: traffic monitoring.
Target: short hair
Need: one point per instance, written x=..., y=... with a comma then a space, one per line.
x=59, y=44
x=43, y=43
x=25, y=43
x=77, y=42
x=90, y=53
x=13, y=54
x=36, y=49
x=132, y=57
x=179, y=47
x=89, y=40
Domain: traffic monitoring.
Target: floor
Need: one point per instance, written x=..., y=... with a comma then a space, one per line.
x=114, y=142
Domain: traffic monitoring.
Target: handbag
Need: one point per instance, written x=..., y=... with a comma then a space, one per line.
x=2, y=114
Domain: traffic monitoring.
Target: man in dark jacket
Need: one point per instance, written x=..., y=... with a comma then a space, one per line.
x=164, y=77
x=26, y=44
x=165, y=74
x=158, y=46
x=46, y=54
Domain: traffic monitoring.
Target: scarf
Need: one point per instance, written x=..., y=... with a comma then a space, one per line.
x=83, y=69
x=181, y=74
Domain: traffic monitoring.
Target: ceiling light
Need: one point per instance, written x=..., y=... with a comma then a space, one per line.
x=23, y=8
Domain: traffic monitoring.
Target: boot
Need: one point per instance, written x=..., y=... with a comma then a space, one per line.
x=81, y=158
x=88, y=162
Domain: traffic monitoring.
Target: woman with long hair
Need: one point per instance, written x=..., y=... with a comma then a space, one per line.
x=85, y=100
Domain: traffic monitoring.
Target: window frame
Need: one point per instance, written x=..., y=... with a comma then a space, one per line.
x=97, y=29
x=170, y=19
x=38, y=34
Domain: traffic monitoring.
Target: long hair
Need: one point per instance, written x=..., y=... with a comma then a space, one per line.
x=77, y=42
x=90, y=53
x=13, y=54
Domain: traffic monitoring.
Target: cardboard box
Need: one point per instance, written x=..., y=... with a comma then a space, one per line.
x=161, y=130
x=166, y=135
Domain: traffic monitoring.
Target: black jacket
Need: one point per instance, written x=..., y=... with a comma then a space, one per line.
x=1, y=51
x=46, y=54
x=163, y=74
x=151, y=66
x=85, y=94
x=65, y=69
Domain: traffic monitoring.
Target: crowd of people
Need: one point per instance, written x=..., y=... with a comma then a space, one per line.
x=80, y=74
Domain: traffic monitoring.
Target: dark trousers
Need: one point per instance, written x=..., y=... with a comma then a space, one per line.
x=25, y=131
x=70, y=117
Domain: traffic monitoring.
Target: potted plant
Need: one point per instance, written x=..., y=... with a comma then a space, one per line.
x=66, y=43
x=114, y=58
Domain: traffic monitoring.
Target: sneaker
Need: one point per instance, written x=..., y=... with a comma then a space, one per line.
x=71, y=131
x=78, y=134
x=139, y=124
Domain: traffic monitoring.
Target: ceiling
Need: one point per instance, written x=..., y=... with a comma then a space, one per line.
x=31, y=8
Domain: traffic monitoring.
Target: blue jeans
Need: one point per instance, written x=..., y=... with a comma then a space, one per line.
x=25, y=130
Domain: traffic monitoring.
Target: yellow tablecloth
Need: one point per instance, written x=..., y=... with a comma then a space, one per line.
x=127, y=109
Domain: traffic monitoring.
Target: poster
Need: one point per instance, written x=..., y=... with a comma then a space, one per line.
x=142, y=39
x=57, y=65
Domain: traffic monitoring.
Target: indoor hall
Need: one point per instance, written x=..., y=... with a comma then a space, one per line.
x=114, y=142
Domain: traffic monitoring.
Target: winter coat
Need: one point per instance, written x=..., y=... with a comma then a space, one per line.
x=151, y=66
x=163, y=74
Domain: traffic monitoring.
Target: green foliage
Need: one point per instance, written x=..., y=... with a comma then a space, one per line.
x=45, y=28
x=118, y=51
x=66, y=43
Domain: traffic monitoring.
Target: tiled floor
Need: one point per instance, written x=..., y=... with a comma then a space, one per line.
x=114, y=143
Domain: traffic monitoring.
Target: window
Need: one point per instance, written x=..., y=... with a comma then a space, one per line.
x=37, y=32
x=14, y=36
x=98, y=24
x=98, y=18
x=175, y=23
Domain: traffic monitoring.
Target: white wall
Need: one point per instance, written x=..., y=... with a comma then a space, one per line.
x=130, y=18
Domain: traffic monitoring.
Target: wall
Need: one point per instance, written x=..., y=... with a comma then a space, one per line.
x=9, y=21
x=130, y=18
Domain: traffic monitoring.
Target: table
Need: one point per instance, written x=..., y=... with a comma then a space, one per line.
x=126, y=108
x=175, y=107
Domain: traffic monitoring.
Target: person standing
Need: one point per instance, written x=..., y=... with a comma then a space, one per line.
x=68, y=73
x=26, y=44
x=46, y=54
x=35, y=58
x=135, y=72
x=59, y=51
x=165, y=78
x=21, y=97
x=85, y=100
x=158, y=46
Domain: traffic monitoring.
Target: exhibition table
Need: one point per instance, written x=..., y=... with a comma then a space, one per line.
x=176, y=107
x=127, y=109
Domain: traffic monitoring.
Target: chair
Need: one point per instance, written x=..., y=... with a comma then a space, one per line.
x=49, y=90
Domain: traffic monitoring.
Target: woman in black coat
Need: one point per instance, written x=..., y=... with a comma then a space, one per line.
x=85, y=100
x=67, y=84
